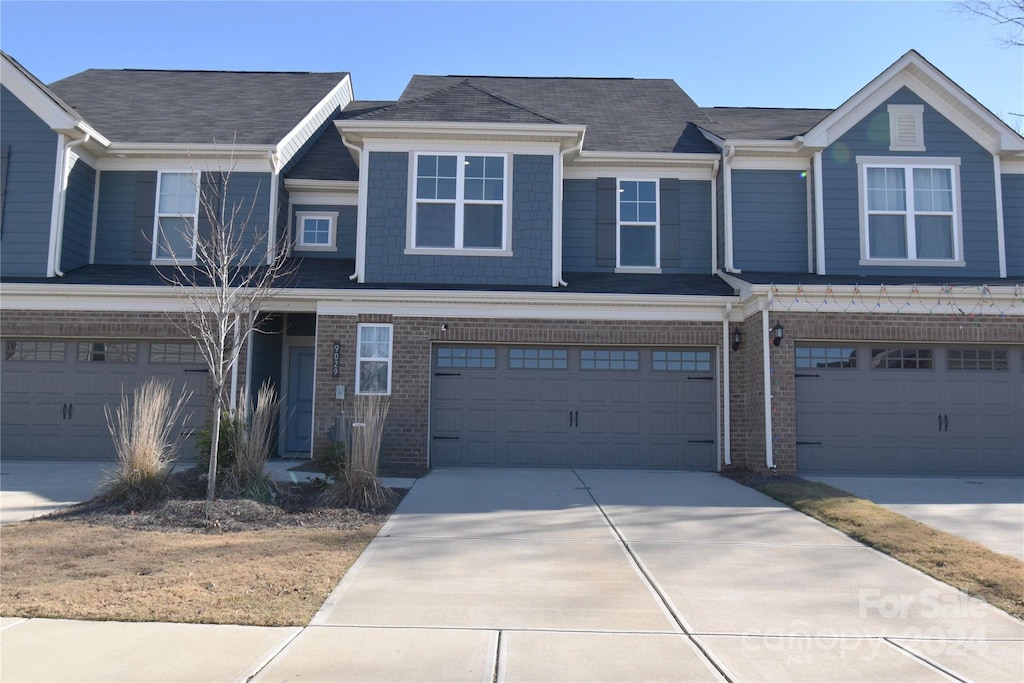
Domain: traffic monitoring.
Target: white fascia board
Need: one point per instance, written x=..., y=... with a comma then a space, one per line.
x=592, y=172
x=463, y=146
x=341, y=192
x=567, y=136
x=36, y=96
x=184, y=162
x=712, y=138
x=1013, y=166
x=914, y=72
x=327, y=198
x=339, y=97
x=771, y=163
x=794, y=146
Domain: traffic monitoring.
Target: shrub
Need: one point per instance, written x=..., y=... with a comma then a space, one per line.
x=146, y=439
x=358, y=486
x=225, y=449
x=252, y=443
x=330, y=460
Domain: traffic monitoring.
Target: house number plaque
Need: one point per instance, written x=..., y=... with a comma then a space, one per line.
x=336, y=360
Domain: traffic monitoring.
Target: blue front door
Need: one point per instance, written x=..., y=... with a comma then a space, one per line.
x=300, y=398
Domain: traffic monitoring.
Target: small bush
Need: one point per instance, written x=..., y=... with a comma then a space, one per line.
x=330, y=460
x=252, y=444
x=146, y=438
x=359, y=487
x=225, y=449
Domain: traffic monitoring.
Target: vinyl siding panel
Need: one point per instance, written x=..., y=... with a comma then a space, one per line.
x=870, y=137
x=28, y=195
x=579, y=226
x=694, y=226
x=769, y=221
x=345, y=240
x=78, y=206
x=531, y=229
x=1013, y=223
x=115, y=217
x=250, y=192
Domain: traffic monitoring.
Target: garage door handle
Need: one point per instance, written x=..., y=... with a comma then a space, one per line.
x=701, y=441
x=71, y=407
x=203, y=370
x=808, y=443
x=945, y=426
x=447, y=374
x=64, y=412
x=704, y=379
x=803, y=374
x=446, y=438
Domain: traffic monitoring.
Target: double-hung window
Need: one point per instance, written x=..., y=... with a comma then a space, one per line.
x=316, y=231
x=373, y=360
x=177, y=212
x=461, y=203
x=639, y=245
x=910, y=210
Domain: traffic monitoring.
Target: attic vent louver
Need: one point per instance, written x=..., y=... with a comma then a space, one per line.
x=906, y=128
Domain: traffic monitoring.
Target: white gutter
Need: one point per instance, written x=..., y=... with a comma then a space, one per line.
x=714, y=216
x=726, y=413
x=62, y=200
x=727, y=155
x=1000, y=226
x=361, y=157
x=556, y=234
x=769, y=455
x=819, y=214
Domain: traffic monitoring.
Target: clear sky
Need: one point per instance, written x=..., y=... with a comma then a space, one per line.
x=783, y=54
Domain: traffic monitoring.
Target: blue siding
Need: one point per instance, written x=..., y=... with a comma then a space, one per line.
x=579, y=227
x=250, y=192
x=531, y=229
x=115, y=217
x=769, y=221
x=870, y=137
x=78, y=204
x=28, y=195
x=345, y=241
x=1013, y=223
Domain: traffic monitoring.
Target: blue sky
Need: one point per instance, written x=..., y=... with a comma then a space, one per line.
x=792, y=54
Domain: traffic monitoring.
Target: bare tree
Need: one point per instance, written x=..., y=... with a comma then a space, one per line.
x=230, y=283
x=1006, y=13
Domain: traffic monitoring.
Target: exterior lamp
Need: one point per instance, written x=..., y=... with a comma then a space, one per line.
x=777, y=333
x=737, y=337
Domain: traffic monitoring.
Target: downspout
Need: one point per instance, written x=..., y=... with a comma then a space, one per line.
x=726, y=412
x=714, y=217
x=58, y=246
x=275, y=179
x=769, y=456
x=727, y=155
x=359, y=154
x=556, y=246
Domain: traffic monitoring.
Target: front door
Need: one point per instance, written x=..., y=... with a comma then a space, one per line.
x=300, y=398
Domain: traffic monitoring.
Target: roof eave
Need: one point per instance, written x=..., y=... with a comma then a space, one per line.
x=356, y=132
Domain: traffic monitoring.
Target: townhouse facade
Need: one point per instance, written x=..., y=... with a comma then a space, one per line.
x=539, y=272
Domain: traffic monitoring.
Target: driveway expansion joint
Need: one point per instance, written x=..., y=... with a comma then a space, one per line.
x=927, y=661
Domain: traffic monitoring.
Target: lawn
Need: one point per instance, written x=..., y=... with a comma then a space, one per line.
x=996, y=578
x=272, y=577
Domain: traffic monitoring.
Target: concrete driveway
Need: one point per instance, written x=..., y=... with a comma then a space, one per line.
x=32, y=488
x=989, y=511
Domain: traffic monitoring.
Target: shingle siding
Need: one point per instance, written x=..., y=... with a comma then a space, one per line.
x=769, y=220
x=870, y=137
x=345, y=240
x=78, y=207
x=1013, y=223
x=115, y=218
x=531, y=229
x=28, y=195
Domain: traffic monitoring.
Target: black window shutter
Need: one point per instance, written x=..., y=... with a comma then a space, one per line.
x=669, y=213
x=145, y=213
x=5, y=151
x=607, y=215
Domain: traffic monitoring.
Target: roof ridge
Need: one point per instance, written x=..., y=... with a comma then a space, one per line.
x=512, y=102
x=221, y=71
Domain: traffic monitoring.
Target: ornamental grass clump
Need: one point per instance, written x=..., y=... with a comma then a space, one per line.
x=252, y=444
x=146, y=438
x=359, y=486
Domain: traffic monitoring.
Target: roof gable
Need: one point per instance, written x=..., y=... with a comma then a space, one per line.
x=914, y=72
x=43, y=102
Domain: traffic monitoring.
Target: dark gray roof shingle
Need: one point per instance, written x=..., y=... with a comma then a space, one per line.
x=327, y=158
x=194, y=106
x=621, y=114
x=462, y=101
x=756, y=123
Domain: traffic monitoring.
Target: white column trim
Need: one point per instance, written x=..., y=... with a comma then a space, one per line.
x=819, y=213
x=1000, y=225
x=769, y=456
x=58, y=184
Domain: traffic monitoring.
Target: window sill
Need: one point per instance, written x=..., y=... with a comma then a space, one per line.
x=440, y=251
x=914, y=263
x=172, y=262
x=314, y=247
x=636, y=269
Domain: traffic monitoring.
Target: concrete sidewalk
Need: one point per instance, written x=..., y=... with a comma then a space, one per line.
x=986, y=510
x=519, y=575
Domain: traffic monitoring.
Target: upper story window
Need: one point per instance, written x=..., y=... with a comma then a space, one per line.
x=910, y=211
x=316, y=231
x=177, y=211
x=461, y=204
x=906, y=128
x=639, y=244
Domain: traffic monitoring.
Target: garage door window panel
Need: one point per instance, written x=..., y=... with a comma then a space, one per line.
x=178, y=353
x=681, y=361
x=902, y=359
x=108, y=352
x=466, y=357
x=32, y=350
x=609, y=359
x=831, y=357
x=978, y=359
x=373, y=362
x=538, y=359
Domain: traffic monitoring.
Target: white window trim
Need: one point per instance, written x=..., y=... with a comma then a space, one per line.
x=899, y=110
x=460, y=201
x=656, y=268
x=908, y=164
x=359, y=359
x=300, y=241
x=157, y=216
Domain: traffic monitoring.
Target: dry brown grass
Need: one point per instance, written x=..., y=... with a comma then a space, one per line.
x=973, y=568
x=272, y=577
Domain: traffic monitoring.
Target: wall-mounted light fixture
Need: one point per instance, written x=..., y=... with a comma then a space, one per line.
x=444, y=327
x=777, y=333
x=737, y=337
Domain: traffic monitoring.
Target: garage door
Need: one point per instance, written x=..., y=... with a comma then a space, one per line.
x=557, y=406
x=882, y=409
x=54, y=391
